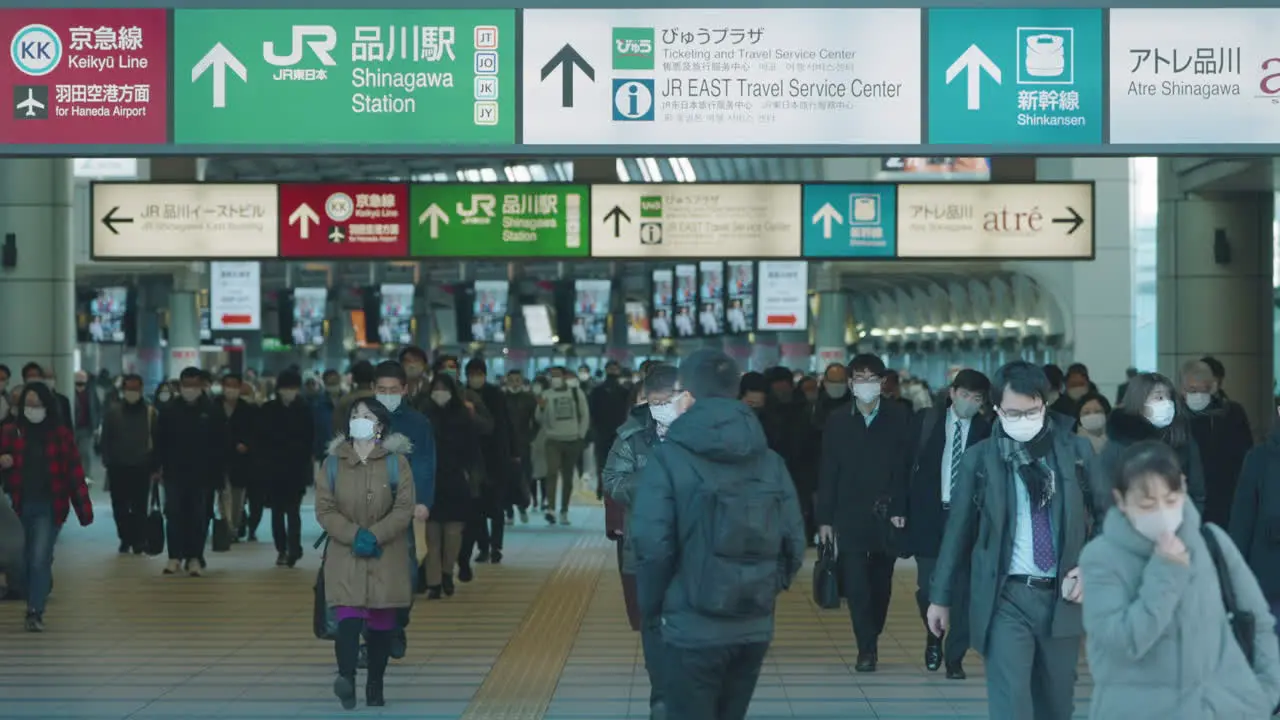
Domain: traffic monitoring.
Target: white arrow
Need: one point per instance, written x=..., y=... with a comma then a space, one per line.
x=435, y=215
x=973, y=61
x=304, y=217
x=826, y=215
x=219, y=59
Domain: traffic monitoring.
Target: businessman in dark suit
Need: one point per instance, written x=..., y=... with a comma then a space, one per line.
x=1018, y=521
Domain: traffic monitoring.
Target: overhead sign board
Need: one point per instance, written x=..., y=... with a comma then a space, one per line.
x=183, y=221
x=1009, y=76
x=354, y=77
x=849, y=221
x=783, y=295
x=498, y=220
x=721, y=77
x=984, y=221
x=347, y=220
x=81, y=75
x=1195, y=76
x=695, y=221
x=235, y=295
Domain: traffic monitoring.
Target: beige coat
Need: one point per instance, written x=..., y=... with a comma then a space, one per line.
x=362, y=498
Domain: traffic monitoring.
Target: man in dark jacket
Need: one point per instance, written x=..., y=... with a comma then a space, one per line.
x=610, y=404
x=1018, y=534
x=126, y=454
x=522, y=410
x=189, y=451
x=941, y=434
x=717, y=534
x=865, y=456
x=242, y=436
x=287, y=432
x=1221, y=429
x=806, y=463
x=487, y=528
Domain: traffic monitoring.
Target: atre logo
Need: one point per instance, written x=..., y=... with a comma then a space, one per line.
x=1270, y=83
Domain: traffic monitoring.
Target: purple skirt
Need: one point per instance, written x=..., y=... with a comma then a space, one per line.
x=378, y=619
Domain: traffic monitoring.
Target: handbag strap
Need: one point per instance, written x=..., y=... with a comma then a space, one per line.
x=1220, y=566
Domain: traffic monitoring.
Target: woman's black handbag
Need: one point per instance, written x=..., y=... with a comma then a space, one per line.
x=1243, y=622
x=826, y=577
x=324, y=622
x=221, y=535
x=153, y=537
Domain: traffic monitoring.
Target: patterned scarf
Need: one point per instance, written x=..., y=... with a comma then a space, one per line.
x=1029, y=461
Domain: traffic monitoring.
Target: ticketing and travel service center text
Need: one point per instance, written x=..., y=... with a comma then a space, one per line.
x=603, y=81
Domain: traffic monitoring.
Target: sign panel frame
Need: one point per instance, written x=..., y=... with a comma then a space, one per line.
x=347, y=210
x=248, y=306
x=107, y=220
x=573, y=212
x=770, y=309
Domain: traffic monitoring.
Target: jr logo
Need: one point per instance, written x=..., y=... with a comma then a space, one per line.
x=328, y=40
x=480, y=203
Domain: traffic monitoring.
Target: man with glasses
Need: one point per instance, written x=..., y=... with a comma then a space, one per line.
x=865, y=454
x=1018, y=520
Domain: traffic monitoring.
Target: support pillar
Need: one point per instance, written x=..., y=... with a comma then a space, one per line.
x=1214, y=292
x=831, y=319
x=184, y=327
x=153, y=297
x=38, y=294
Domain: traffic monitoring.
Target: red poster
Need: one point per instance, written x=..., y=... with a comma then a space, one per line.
x=344, y=221
x=85, y=76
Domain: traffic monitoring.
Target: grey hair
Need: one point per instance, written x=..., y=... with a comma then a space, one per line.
x=1198, y=371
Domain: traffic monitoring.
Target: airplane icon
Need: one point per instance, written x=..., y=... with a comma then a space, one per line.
x=31, y=102
x=336, y=235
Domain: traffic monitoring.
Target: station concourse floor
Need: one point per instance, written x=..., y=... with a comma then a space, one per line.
x=542, y=636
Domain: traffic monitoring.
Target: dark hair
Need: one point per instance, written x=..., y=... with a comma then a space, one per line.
x=232, y=376
x=362, y=374
x=475, y=364
x=1219, y=370
x=1023, y=378
x=52, y=417
x=1135, y=400
x=412, y=351
x=378, y=409
x=443, y=360
x=5, y=369
x=447, y=382
x=830, y=367
x=390, y=369
x=207, y=377
x=1093, y=396
x=867, y=363
x=130, y=377
x=779, y=374
x=190, y=373
x=1149, y=457
x=1078, y=369
x=752, y=382
x=709, y=373
x=1054, y=375
x=661, y=377
x=289, y=379
x=29, y=367
x=331, y=373
x=972, y=381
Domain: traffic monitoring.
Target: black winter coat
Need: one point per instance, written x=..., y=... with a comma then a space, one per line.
x=1125, y=429
x=285, y=448
x=1222, y=431
x=457, y=455
x=864, y=469
x=1255, y=517
x=189, y=442
x=242, y=429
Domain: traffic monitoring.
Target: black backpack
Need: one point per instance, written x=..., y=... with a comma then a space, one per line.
x=742, y=527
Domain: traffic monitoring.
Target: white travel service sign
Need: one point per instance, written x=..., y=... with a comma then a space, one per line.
x=1195, y=76
x=782, y=295
x=235, y=295
x=986, y=221
x=186, y=222
x=695, y=221
x=721, y=77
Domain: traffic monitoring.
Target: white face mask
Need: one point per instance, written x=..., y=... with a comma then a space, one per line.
x=441, y=397
x=584, y=376
x=363, y=428
x=476, y=381
x=1094, y=422
x=288, y=396
x=1022, y=429
x=190, y=394
x=232, y=394
x=572, y=382
x=390, y=402
x=1075, y=393
x=558, y=383
x=132, y=396
x=964, y=409
x=1151, y=524
x=836, y=389
x=1198, y=401
x=866, y=392
x=165, y=396
x=34, y=415
x=664, y=414
x=1160, y=413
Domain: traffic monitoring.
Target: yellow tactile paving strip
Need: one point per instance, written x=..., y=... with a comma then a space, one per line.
x=524, y=679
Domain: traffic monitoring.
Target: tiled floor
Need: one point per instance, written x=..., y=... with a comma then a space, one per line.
x=125, y=642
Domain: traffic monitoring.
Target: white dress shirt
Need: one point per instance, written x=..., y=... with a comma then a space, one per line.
x=950, y=448
x=1023, y=561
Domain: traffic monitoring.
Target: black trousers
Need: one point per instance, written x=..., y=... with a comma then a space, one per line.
x=868, y=585
x=286, y=522
x=486, y=526
x=256, y=496
x=712, y=683
x=187, y=513
x=956, y=641
x=130, y=496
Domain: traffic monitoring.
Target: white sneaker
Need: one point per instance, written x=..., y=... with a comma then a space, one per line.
x=172, y=567
x=564, y=518
x=524, y=517
x=193, y=568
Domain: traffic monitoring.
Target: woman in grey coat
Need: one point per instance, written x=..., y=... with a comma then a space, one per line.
x=1159, y=642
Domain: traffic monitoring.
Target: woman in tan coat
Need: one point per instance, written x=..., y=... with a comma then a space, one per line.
x=364, y=501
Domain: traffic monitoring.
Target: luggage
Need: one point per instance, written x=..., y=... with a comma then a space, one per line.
x=826, y=578
x=153, y=531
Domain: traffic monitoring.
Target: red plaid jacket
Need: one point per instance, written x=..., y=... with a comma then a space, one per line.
x=66, y=474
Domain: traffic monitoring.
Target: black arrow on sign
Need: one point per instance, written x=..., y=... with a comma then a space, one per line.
x=110, y=220
x=1075, y=220
x=617, y=216
x=565, y=60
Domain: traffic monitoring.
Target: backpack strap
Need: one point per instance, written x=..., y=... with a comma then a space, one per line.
x=393, y=472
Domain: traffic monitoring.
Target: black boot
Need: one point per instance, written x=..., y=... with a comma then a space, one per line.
x=379, y=653
x=447, y=585
x=434, y=592
x=346, y=648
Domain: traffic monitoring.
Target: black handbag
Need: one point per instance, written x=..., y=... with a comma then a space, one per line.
x=324, y=622
x=1243, y=622
x=154, y=532
x=826, y=578
x=221, y=535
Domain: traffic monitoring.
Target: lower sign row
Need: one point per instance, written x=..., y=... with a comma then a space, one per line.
x=647, y=221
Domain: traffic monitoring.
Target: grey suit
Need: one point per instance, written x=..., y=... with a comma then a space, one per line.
x=1030, y=637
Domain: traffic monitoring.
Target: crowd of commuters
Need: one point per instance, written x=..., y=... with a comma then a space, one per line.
x=1039, y=513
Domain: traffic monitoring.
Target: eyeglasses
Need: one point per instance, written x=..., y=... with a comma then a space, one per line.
x=1031, y=414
